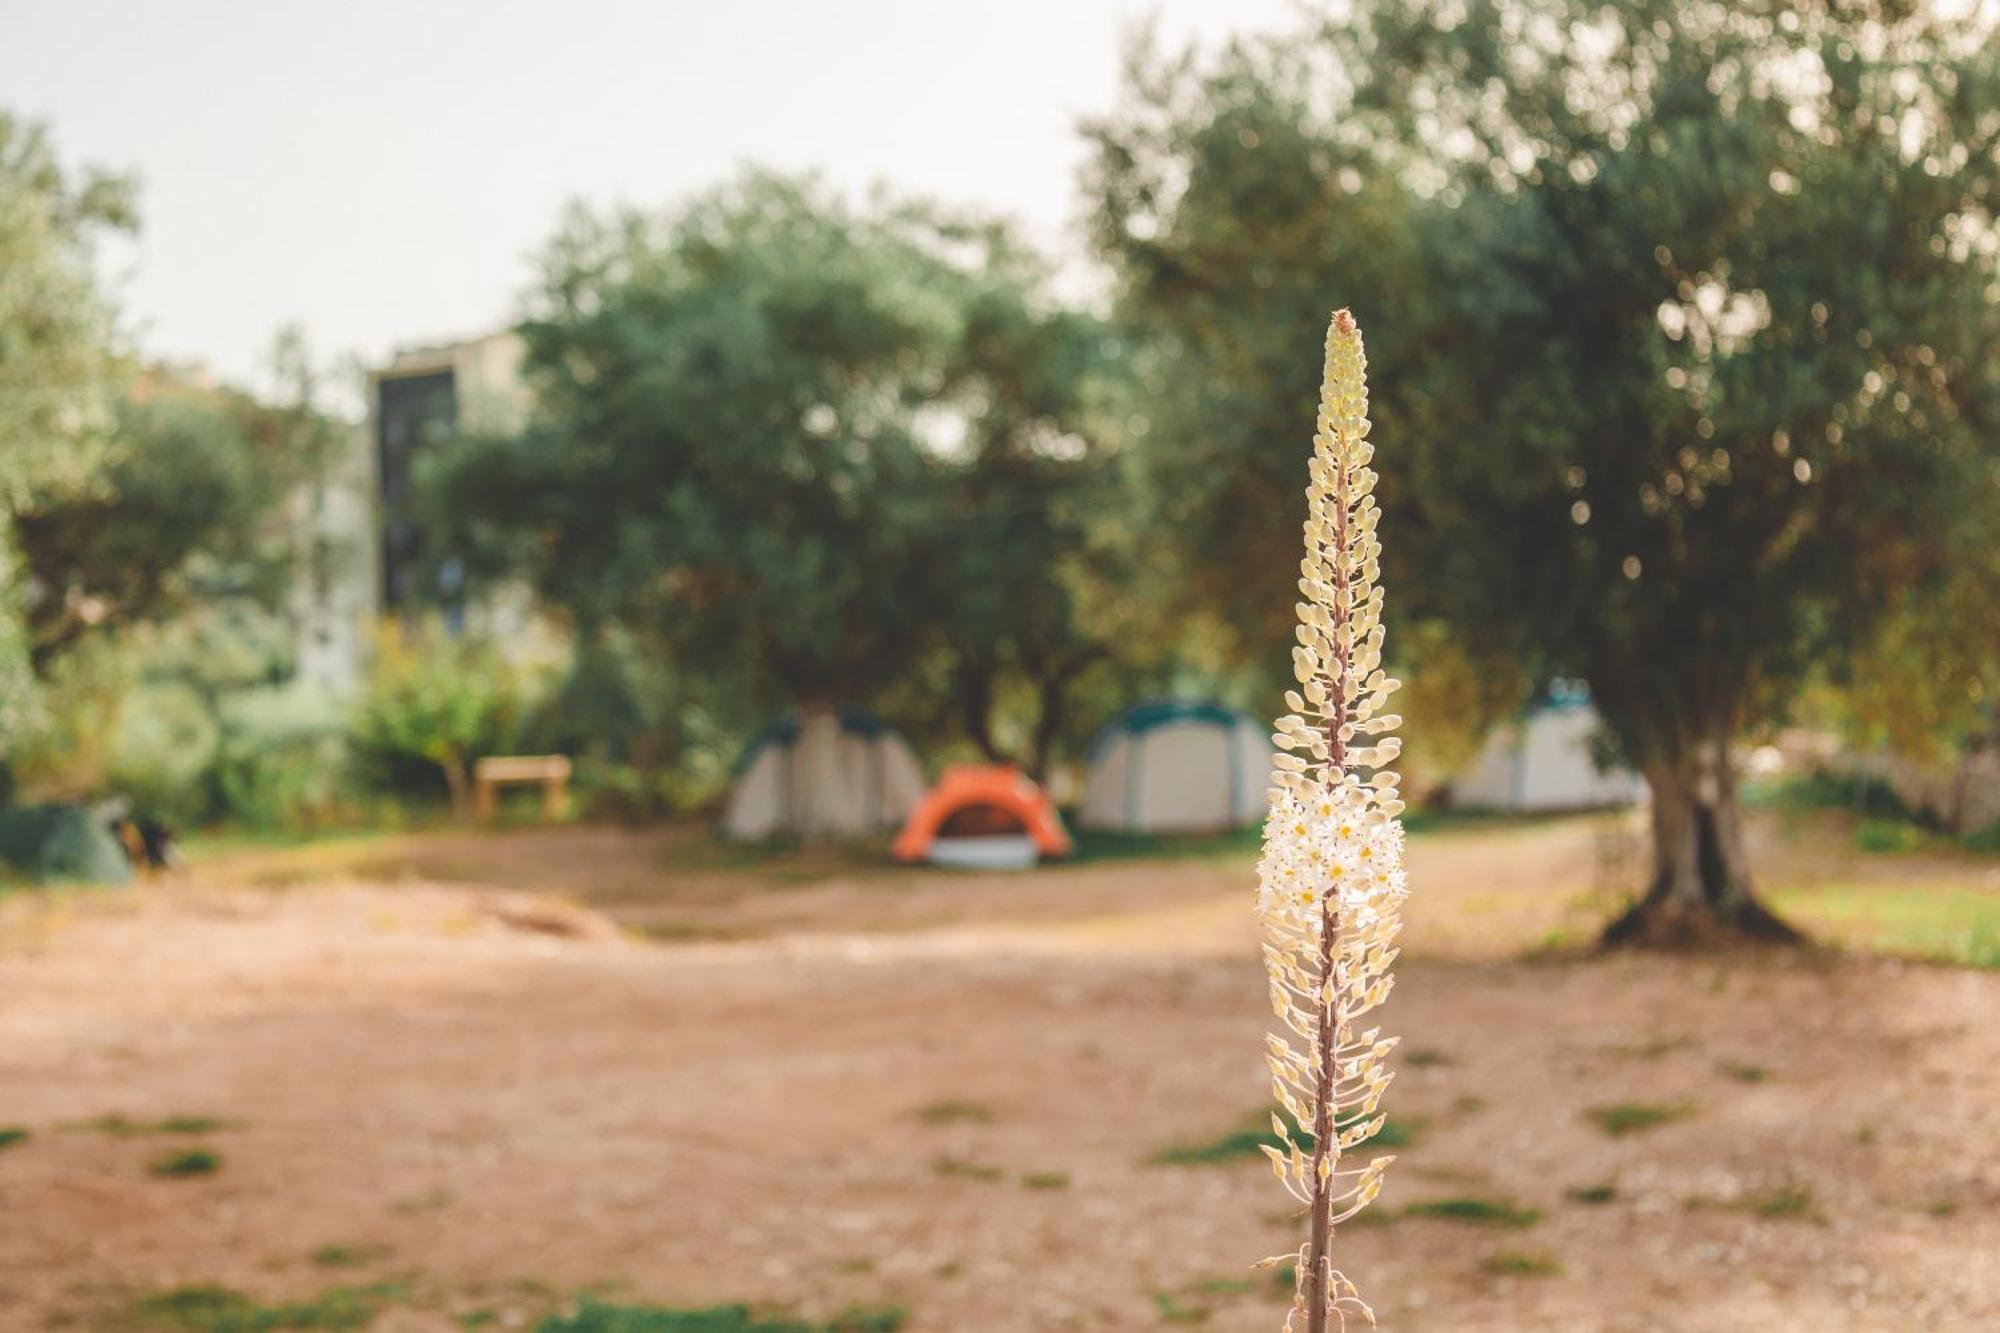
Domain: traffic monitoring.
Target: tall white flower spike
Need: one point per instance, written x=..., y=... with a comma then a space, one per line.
x=1330, y=882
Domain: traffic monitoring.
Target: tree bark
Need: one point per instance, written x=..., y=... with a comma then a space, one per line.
x=457, y=782
x=1701, y=892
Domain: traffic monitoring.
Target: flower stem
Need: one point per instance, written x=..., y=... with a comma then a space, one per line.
x=1326, y=1150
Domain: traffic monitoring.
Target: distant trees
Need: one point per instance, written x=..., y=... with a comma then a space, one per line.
x=809, y=450
x=1688, y=364
x=56, y=364
x=128, y=496
x=186, y=506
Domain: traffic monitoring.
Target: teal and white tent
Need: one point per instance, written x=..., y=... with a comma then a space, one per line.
x=1177, y=766
x=1544, y=760
x=843, y=774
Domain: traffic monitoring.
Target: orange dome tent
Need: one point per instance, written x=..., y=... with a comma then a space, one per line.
x=972, y=803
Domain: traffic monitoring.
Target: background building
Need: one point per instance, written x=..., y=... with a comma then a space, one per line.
x=363, y=551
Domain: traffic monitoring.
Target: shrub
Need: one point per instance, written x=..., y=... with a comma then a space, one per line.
x=164, y=742
x=433, y=704
x=283, y=761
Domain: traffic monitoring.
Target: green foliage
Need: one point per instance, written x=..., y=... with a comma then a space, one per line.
x=1515, y=1264
x=211, y=1309
x=56, y=365
x=1822, y=789
x=1622, y=1118
x=1173, y=1311
x=593, y=1316
x=647, y=738
x=1957, y=925
x=350, y=1256
x=187, y=508
x=432, y=704
x=1655, y=415
x=1791, y=1201
x=1594, y=1195
x=283, y=760
x=120, y=1126
x=1889, y=835
x=1251, y=1140
x=809, y=453
x=727, y=434
x=12, y=1136
x=1986, y=840
x=187, y=1162
x=1476, y=1212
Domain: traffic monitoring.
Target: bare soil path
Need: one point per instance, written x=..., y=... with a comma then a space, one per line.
x=518, y=1065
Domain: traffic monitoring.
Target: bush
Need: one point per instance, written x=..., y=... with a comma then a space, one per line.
x=165, y=741
x=283, y=761
x=433, y=704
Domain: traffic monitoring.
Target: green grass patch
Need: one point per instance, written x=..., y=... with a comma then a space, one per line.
x=1045, y=1180
x=1173, y=1311
x=1650, y=1050
x=186, y=1162
x=123, y=1127
x=209, y=1309
x=12, y=1136
x=1746, y=1073
x=955, y=1168
x=1594, y=1195
x=1889, y=836
x=1512, y=1263
x=1622, y=1118
x=1250, y=1141
x=955, y=1113
x=350, y=1256
x=1425, y=1057
x=1791, y=1202
x=1476, y=1212
x=602, y=1317
x=1945, y=923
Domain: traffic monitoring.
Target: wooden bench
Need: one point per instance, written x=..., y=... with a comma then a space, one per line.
x=494, y=771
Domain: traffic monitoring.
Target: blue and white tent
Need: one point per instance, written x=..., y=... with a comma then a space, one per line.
x=1177, y=766
x=832, y=775
x=1544, y=761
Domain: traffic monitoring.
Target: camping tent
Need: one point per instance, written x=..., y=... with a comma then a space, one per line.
x=983, y=815
x=1543, y=761
x=828, y=775
x=1174, y=766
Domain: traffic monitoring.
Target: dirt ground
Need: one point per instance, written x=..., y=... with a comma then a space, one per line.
x=510, y=1067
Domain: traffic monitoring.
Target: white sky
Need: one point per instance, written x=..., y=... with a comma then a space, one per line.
x=380, y=172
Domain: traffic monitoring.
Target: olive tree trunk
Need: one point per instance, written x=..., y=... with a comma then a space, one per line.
x=1701, y=891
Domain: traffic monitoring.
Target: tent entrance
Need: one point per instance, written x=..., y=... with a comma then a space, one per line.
x=981, y=820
